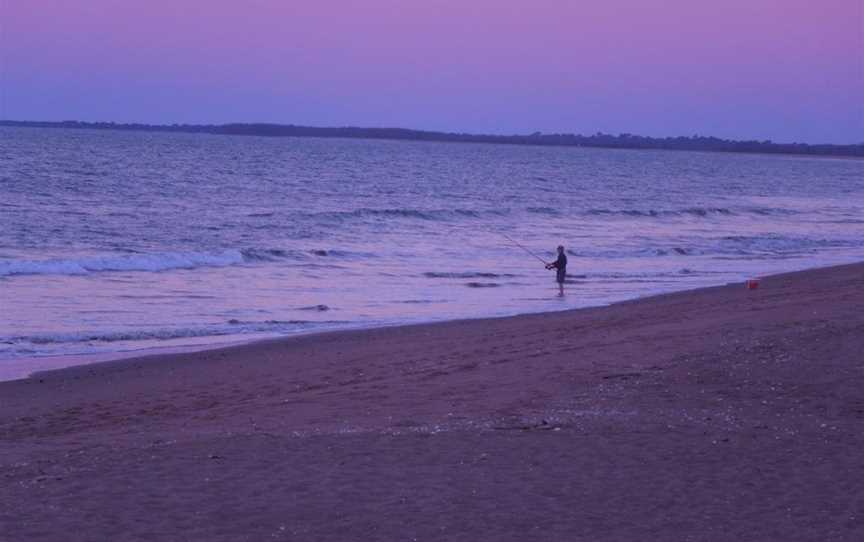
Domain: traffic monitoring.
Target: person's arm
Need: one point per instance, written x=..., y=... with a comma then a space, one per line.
x=561, y=262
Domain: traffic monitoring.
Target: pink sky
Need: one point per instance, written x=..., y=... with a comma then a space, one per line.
x=766, y=69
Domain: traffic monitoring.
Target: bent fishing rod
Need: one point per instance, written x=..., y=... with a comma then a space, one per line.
x=518, y=244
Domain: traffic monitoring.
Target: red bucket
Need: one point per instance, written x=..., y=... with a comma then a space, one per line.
x=752, y=284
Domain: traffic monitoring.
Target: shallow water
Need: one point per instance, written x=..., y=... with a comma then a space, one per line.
x=112, y=241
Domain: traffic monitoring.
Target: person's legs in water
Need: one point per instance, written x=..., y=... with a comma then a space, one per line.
x=561, y=275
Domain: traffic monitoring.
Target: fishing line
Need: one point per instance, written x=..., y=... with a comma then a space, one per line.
x=518, y=244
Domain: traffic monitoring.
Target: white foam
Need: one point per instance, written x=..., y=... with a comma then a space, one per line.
x=233, y=327
x=138, y=262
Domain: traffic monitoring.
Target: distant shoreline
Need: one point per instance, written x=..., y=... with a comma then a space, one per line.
x=599, y=140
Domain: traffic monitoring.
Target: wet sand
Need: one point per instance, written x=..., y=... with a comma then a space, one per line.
x=714, y=414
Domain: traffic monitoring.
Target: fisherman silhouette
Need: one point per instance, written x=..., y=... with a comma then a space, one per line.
x=561, y=266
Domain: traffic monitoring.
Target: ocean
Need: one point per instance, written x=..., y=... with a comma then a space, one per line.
x=115, y=241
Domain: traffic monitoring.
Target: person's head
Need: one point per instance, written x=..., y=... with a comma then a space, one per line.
x=560, y=249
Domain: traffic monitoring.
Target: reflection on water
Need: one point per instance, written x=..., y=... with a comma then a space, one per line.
x=112, y=241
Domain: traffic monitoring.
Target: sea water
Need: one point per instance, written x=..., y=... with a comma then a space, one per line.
x=113, y=241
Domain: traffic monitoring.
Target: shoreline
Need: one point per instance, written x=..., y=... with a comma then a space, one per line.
x=13, y=369
x=16, y=367
x=718, y=413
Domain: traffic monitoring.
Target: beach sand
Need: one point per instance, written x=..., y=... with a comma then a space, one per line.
x=714, y=414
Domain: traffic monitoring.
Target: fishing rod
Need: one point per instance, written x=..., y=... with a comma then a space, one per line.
x=518, y=244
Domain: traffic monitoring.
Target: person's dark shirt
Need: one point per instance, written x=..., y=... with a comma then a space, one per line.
x=561, y=262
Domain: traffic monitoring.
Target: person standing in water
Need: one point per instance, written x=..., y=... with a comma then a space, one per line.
x=560, y=265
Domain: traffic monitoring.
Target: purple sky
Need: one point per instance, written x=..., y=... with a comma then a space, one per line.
x=787, y=70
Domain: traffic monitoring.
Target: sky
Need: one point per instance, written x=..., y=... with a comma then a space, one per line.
x=785, y=70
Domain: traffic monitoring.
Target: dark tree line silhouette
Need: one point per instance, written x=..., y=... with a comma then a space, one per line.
x=620, y=141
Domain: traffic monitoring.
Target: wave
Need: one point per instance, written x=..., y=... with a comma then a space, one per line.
x=319, y=308
x=232, y=327
x=138, y=262
x=732, y=246
x=698, y=212
x=770, y=211
x=455, y=214
x=465, y=275
x=779, y=245
x=335, y=253
x=544, y=211
x=407, y=213
x=161, y=261
x=646, y=274
x=676, y=251
x=637, y=252
x=270, y=323
x=268, y=254
x=654, y=213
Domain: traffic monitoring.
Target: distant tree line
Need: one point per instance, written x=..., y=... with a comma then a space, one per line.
x=620, y=141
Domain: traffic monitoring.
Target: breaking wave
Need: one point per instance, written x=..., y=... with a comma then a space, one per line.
x=163, y=261
x=232, y=327
x=138, y=262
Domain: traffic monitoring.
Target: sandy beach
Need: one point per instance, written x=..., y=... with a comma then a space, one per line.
x=713, y=414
